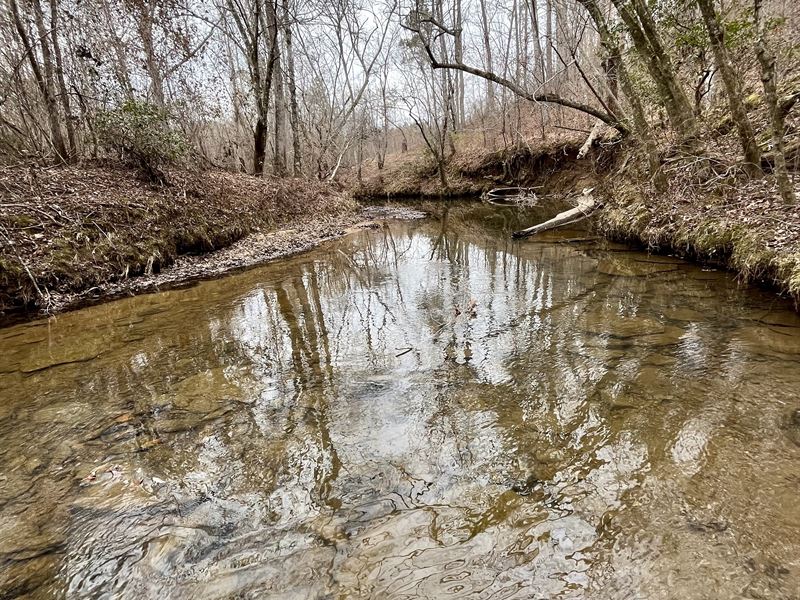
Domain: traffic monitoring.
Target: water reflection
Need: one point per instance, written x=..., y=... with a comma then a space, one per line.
x=417, y=411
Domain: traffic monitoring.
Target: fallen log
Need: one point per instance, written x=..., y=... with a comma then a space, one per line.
x=586, y=206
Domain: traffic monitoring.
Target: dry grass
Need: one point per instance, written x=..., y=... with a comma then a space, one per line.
x=72, y=228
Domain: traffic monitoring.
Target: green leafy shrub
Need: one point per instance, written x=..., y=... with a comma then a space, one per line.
x=142, y=134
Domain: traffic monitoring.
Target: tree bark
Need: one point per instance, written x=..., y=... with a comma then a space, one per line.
x=549, y=34
x=44, y=80
x=769, y=81
x=535, y=97
x=145, y=19
x=120, y=65
x=747, y=138
x=586, y=206
x=487, y=53
x=639, y=24
x=458, y=51
x=613, y=56
x=62, y=85
x=279, y=156
x=294, y=116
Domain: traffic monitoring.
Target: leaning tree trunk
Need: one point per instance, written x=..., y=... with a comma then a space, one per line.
x=616, y=65
x=638, y=23
x=747, y=138
x=769, y=80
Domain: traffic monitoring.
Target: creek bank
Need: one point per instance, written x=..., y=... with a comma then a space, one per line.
x=472, y=172
x=250, y=251
x=741, y=226
x=722, y=220
x=73, y=236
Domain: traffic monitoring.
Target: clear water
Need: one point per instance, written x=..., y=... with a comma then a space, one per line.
x=427, y=410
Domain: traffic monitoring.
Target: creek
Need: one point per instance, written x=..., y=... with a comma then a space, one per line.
x=424, y=410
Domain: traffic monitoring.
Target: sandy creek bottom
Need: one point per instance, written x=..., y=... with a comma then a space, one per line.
x=426, y=410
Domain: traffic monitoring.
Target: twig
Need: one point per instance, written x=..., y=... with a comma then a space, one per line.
x=43, y=295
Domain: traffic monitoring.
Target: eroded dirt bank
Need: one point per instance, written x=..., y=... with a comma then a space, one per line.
x=80, y=235
x=708, y=213
x=741, y=225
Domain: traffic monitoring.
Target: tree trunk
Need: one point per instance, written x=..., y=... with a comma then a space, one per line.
x=294, y=117
x=586, y=206
x=459, y=56
x=613, y=56
x=639, y=24
x=62, y=85
x=747, y=138
x=549, y=34
x=259, y=146
x=120, y=65
x=44, y=80
x=144, y=24
x=769, y=80
x=279, y=157
x=487, y=52
x=442, y=168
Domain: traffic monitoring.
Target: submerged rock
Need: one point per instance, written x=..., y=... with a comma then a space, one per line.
x=633, y=268
x=792, y=426
x=770, y=339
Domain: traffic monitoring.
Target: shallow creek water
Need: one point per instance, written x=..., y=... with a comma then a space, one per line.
x=425, y=410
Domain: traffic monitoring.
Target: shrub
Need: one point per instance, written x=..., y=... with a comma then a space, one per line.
x=142, y=134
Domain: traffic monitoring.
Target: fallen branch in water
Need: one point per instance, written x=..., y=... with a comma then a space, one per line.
x=586, y=206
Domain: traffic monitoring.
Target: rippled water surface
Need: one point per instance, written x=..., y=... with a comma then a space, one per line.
x=426, y=410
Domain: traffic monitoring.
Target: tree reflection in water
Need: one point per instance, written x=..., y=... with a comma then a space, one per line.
x=422, y=410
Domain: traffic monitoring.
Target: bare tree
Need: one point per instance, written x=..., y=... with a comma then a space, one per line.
x=427, y=27
x=43, y=74
x=747, y=138
x=769, y=80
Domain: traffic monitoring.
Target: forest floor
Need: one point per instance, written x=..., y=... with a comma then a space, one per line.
x=709, y=212
x=72, y=236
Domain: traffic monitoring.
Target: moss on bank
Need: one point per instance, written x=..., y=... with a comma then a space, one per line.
x=743, y=228
x=68, y=229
